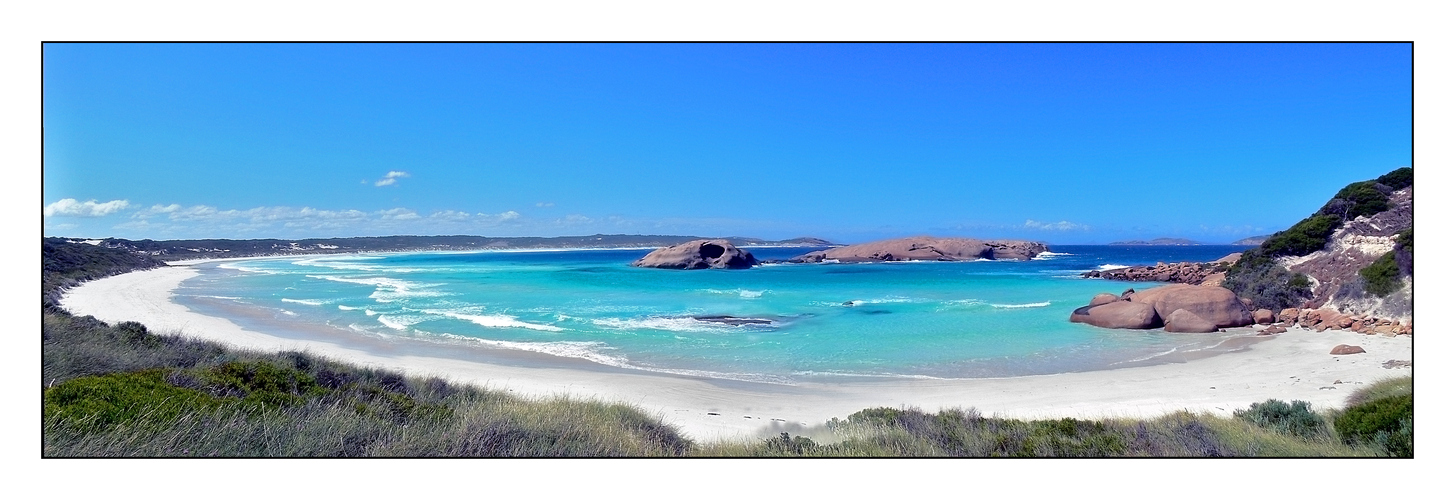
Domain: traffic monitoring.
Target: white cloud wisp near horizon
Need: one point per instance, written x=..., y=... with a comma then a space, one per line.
x=177, y=221
x=90, y=208
x=1055, y=226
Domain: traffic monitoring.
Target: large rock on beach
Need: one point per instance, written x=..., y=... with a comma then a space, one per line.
x=1118, y=314
x=1289, y=315
x=1184, y=321
x=1343, y=349
x=1181, y=308
x=698, y=254
x=928, y=248
x=1264, y=317
x=1217, y=305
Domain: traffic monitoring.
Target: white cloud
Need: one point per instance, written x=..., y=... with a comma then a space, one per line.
x=506, y=216
x=545, y=204
x=450, y=215
x=90, y=208
x=397, y=214
x=1055, y=226
x=390, y=178
x=574, y=219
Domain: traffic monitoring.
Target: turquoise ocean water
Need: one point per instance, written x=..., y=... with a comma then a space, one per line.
x=808, y=321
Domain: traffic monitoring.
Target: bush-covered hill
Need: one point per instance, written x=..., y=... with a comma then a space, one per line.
x=1260, y=276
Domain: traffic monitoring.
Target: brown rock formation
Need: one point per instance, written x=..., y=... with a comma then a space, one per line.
x=1202, y=309
x=1103, y=298
x=1184, y=321
x=1191, y=273
x=928, y=248
x=698, y=254
x=1289, y=316
x=1118, y=314
x=1263, y=317
x=1214, y=279
x=1342, y=349
x=1216, y=305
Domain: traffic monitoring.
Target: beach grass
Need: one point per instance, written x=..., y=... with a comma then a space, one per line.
x=120, y=390
x=888, y=432
x=161, y=395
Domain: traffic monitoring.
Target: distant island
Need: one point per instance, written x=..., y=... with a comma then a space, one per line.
x=1253, y=240
x=215, y=248
x=1158, y=241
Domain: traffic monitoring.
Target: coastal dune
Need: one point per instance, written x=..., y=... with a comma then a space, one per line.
x=1291, y=366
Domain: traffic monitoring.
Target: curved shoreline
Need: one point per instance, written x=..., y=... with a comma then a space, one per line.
x=1293, y=365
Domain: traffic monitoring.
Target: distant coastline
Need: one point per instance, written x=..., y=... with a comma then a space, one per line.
x=170, y=250
x=1156, y=241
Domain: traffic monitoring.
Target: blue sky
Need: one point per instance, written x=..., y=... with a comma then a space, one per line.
x=1063, y=143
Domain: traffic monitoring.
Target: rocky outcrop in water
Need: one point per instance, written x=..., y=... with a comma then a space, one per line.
x=1118, y=314
x=698, y=254
x=927, y=248
x=1191, y=273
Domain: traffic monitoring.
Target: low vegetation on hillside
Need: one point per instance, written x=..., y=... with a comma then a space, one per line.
x=1386, y=274
x=64, y=264
x=1258, y=276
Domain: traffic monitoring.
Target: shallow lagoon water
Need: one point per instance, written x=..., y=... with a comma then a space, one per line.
x=804, y=321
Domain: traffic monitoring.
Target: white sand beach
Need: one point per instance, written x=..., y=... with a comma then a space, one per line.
x=1291, y=366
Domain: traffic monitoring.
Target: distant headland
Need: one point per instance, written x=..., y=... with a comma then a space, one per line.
x=227, y=248
x=1157, y=241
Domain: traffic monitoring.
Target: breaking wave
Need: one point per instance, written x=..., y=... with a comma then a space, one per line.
x=1020, y=306
x=498, y=321
x=304, y=301
x=674, y=324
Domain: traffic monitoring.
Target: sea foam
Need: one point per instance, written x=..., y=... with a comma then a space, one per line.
x=304, y=301
x=673, y=324
x=497, y=321
x=1020, y=306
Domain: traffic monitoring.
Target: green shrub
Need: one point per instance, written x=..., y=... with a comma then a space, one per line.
x=1300, y=281
x=1399, y=178
x=785, y=445
x=1404, y=251
x=1308, y=236
x=1387, y=422
x=262, y=382
x=101, y=402
x=1296, y=419
x=876, y=416
x=1381, y=278
x=1269, y=285
x=1357, y=199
